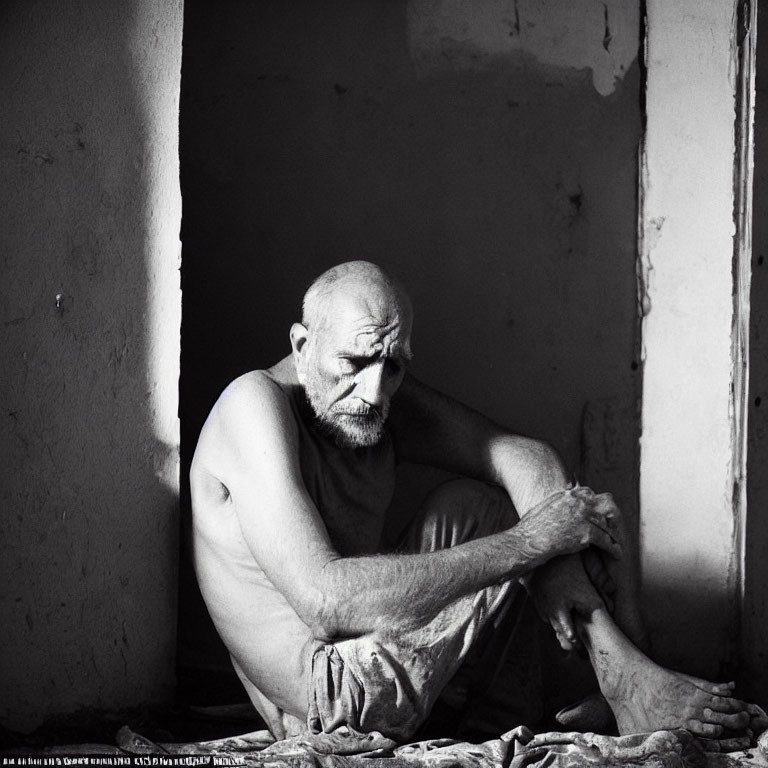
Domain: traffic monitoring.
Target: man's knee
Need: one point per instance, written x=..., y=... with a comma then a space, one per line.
x=364, y=685
x=461, y=510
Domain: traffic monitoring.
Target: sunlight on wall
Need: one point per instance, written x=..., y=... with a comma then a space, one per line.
x=163, y=249
x=686, y=485
x=90, y=320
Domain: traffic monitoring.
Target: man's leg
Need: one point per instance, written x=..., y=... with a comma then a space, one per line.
x=389, y=682
x=559, y=590
x=281, y=724
x=643, y=695
x=623, y=589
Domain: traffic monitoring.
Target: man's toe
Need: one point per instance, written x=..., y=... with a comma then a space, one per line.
x=709, y=730
x=735, y=721
x=726, y=704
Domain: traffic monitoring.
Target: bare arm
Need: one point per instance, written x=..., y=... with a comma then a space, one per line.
x=258, y=463
x=432, y=428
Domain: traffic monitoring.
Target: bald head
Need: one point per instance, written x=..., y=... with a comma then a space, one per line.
x=351, y=350
x=359, y=280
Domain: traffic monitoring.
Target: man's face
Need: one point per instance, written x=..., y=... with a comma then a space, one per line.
x=353, y=364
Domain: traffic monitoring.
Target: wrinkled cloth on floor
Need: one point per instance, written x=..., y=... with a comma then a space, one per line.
x=516, y=749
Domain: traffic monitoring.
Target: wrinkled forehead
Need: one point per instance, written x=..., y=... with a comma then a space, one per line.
x=372, y=323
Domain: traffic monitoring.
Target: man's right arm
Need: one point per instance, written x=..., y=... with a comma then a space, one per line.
x=254, y=453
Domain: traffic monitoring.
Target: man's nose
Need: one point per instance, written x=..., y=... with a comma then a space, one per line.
x=369, y=385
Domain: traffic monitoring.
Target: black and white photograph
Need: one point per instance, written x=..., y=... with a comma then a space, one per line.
x=383, y=381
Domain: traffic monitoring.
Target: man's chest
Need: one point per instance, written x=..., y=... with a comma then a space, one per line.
x=352, y=495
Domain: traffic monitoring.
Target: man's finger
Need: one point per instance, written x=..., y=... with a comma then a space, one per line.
x=565, y=631
x=604, y=502
x=601, y=522
x=583, y=492
x=603, y=540
x=596, y=570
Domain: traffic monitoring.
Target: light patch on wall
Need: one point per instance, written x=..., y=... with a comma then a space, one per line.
x=456, y=35
x=164, y=301
x=686, y=271
x=163, y=252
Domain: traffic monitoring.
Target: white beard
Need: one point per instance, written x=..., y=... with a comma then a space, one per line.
x=349, y=424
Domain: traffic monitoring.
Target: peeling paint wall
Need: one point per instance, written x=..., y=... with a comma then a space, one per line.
x=686, y=476
x=89, y=318
x=499, y=184
x=754, y=671
x=449, y=35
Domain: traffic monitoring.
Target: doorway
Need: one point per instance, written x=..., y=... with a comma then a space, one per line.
x=500, y=185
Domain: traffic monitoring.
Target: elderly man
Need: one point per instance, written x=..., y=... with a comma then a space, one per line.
x=291, y=479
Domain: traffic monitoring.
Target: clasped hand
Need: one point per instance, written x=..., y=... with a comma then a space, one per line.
x=571, y=520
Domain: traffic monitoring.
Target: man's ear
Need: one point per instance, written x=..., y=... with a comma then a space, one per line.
x=298, y=338
x=299, y=335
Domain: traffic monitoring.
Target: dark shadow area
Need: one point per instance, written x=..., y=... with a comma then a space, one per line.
x=502, y=195
x=160, y=724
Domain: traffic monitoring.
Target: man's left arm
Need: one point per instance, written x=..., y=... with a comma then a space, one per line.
x=432, y=428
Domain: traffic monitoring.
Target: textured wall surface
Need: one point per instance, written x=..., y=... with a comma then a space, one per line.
x=89, y=316
x=498, y=180
x=686, y=476
x=454, y=35
x=755, y=618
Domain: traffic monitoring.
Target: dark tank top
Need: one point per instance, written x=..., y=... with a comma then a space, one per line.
x=352, y=489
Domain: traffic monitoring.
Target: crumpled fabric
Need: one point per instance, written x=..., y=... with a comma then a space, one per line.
x=660, y=749
x=516, y=749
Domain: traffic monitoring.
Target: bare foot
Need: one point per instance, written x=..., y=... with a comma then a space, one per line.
x=720, y=689
x=646, y=697
x=627, y=616
x=758, y=720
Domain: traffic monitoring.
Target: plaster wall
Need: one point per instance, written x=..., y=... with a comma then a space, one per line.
x=687, y=448
x=89, y=339
x=754, y=679
x=487, y=158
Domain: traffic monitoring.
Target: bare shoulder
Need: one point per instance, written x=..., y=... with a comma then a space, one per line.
x=256, y=393
x=250, y=425
x=251, y=399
